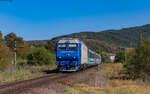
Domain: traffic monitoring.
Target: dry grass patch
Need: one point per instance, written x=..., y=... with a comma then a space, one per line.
x=83, y=89
x=64, y=82
x=111, y=70
x=127, y=89
x=22, y=73
x=119, y=89
x=117, y=83
x=113, y=86
x=9, y=75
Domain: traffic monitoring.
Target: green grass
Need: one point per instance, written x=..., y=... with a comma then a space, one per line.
x=24, y=72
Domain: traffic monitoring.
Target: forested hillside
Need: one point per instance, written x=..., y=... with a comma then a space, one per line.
x=109, y=40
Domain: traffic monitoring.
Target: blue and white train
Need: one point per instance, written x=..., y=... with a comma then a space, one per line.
x=73, y=55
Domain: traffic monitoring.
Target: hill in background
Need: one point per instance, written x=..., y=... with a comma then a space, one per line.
x=109, y=40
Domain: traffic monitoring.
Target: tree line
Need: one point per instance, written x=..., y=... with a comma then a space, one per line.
x=136, y=60
x=33, y=55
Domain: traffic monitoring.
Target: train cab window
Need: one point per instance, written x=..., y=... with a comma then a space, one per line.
x=72, y=46
x=62, y=46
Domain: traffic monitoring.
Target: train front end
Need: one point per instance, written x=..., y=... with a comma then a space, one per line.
x=68, y=55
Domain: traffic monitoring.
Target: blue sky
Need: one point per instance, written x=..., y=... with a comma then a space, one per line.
x=44, y=19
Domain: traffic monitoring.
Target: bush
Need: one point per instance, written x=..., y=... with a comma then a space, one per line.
x=40, y=56
x=104, y=56
x=4, y=64
x=138, y=64
x=120, y=57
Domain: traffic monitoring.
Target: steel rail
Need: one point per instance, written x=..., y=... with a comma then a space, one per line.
x=18, y=86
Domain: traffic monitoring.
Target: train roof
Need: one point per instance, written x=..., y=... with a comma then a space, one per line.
x=69, y=40
x=73, y=40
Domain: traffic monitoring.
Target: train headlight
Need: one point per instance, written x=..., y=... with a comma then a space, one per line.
x=74, y=57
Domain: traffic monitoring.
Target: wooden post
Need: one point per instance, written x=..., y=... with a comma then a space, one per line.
x=15, y=55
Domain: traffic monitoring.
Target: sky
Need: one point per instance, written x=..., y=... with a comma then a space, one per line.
x=45, y=19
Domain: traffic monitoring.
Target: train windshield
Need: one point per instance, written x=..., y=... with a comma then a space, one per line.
x=72, y=46
x=62, y=46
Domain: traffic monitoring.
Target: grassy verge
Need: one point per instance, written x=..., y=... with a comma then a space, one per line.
x=122, y=89
x=115, y=85
x=24, y=72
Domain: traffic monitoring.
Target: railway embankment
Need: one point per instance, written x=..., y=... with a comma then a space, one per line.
x=53, y=80
x=106, y=79
x=58, y=86
x=110, y=79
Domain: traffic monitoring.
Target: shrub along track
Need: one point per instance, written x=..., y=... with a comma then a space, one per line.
x=20, y=86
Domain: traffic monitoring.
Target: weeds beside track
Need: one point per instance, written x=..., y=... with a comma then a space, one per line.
x=19, y=86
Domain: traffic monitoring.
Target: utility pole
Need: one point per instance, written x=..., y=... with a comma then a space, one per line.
x=125, y=55
x=15, y=54
x=140, y=36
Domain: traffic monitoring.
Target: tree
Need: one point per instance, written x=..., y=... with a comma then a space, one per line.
x=105, y=57
x=13, y=40
x=40, y=56
x=120, y=57
x=100, y=51
x=138, y=65
x=22, y=50
x=1, y=36
x=10, y=40
x=3, y=51
x=4, y=62
x=51, y=45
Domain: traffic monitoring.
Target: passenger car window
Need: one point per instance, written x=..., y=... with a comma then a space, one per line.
x=72, y=46
x=62, y=46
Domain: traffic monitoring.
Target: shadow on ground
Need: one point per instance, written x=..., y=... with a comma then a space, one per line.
x=56, y=71
x=51, y=71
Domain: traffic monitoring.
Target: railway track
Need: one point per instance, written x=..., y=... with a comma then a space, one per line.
x=20, y=86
